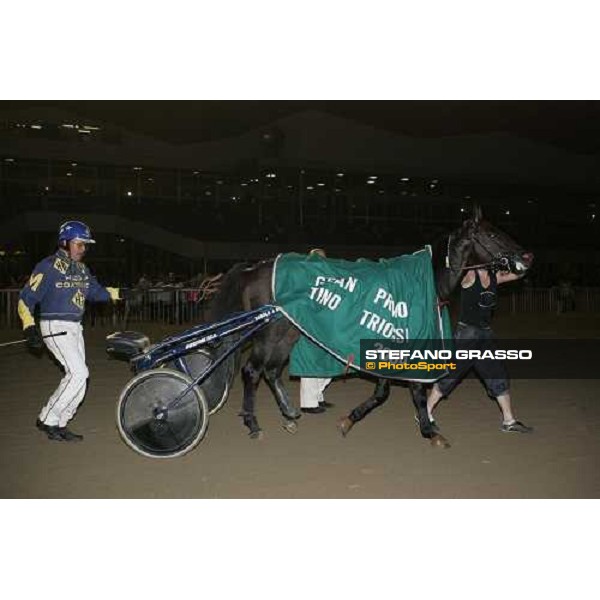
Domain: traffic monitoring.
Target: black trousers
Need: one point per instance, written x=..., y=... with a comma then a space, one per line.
x=493, y=373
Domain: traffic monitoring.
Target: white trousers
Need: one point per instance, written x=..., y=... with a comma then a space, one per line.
x=311, y=391
x=69, y=350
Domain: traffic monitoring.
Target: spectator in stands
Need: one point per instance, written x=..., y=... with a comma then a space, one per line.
x=566, y=296
x=143, y=283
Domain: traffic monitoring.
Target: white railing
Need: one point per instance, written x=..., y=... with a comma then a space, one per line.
x=185, y=306
x=550, y=300
x=169, y=306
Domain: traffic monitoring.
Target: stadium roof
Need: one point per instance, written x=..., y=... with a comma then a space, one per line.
x=316, y=139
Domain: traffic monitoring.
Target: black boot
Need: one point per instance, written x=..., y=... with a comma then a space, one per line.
x=70, y=436
x=314, y=410
x=58, y=434
x=51, y=431
x=54, y=433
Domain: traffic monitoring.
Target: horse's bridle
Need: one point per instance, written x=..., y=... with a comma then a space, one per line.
x=501, y=261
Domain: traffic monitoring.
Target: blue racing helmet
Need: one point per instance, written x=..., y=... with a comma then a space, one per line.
x=75, y=230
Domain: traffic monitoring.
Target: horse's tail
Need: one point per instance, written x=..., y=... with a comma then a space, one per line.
x=228, y=299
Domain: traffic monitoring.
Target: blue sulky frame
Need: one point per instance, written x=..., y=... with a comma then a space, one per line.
x=174, y=348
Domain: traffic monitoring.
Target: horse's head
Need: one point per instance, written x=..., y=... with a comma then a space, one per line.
x=492, y=246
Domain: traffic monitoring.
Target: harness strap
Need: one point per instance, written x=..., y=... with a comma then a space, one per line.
x=349, y=362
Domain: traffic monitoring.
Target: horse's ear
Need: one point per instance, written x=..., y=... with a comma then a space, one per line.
x=477, y=213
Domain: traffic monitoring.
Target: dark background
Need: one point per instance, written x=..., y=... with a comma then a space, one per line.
x=225, y=181
x=573, y=125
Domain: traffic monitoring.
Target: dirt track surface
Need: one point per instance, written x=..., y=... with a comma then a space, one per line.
x=383, y=457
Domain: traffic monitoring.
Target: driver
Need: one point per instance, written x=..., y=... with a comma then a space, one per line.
x=60, y=284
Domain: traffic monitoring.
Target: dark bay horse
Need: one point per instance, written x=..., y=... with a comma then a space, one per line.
x=248, y=286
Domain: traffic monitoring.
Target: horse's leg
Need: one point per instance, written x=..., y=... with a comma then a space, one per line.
x=279, y=341
x=379, y=396
x=418, y=392
x=288, y=410
x=251, y=373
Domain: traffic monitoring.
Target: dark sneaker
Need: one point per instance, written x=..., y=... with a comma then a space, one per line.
x=515, y=427
x=41, y=425
x=326, y=404
x=314, y=410
x=70, y=436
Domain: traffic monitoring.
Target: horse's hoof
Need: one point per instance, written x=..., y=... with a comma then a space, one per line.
x=345, y=425
x=439, y=441
x=290, y=426
x=257, y=435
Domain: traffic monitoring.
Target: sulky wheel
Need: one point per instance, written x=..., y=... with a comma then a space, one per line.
x=216, y=386
x=161, y=415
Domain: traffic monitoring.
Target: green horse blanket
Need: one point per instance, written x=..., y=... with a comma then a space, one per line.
x=337, y=303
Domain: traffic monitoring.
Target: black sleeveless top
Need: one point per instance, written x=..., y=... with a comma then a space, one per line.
x=477, y=303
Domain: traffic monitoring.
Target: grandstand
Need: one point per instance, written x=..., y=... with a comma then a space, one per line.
x=195, y=208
